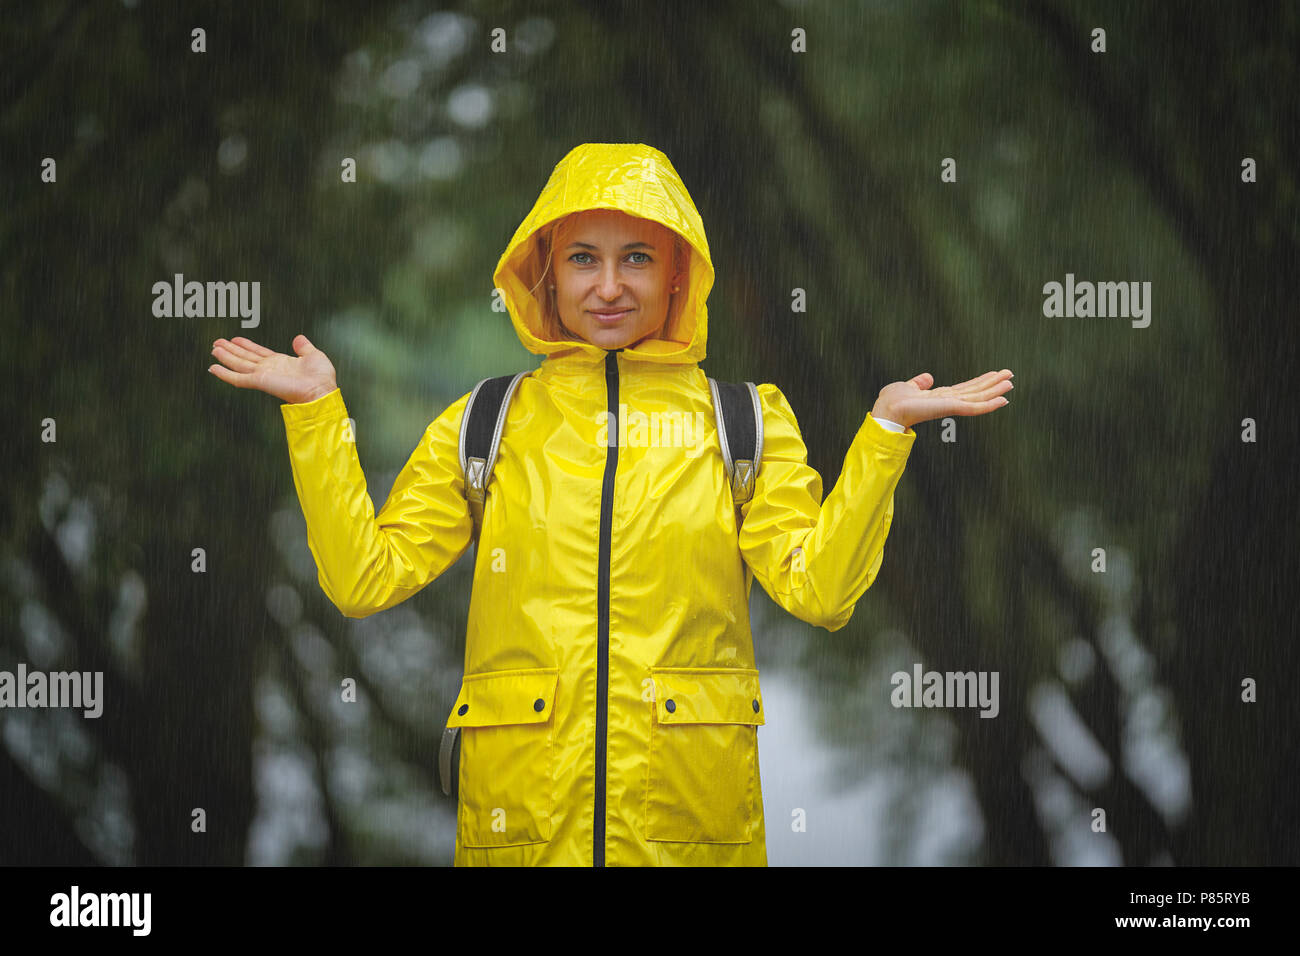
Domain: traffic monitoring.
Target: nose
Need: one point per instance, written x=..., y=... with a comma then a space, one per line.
x=609, y=285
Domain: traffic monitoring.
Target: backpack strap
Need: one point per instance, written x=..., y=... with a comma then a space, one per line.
x=481, y=425
x=739, y=415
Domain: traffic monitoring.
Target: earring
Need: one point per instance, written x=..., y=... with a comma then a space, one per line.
x=676, y=289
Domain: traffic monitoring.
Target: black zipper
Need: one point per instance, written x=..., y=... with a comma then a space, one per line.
x=602, y=603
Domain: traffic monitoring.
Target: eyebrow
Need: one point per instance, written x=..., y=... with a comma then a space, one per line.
x=630, y=245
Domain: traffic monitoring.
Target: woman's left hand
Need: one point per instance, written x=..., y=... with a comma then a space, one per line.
x=914, y=401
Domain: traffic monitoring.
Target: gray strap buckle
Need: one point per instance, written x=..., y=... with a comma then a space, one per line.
x=478, y=471
x=742, y=473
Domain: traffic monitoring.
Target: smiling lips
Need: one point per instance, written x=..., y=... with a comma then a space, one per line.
x=610, y=317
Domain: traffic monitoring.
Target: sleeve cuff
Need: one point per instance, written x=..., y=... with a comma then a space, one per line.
x=328, y=405
x=885, y=438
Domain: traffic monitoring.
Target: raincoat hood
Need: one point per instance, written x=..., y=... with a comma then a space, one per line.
x=640, y=181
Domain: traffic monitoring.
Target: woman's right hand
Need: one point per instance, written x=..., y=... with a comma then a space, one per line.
x=245, y=364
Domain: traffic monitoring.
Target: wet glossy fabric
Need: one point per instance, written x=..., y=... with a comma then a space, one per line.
x=684, y=696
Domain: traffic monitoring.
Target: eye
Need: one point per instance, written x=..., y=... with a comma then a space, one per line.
x=574, y=257
x=644, y=261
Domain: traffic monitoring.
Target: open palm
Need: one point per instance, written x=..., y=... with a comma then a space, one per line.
x=916, y=400
x=293, y=379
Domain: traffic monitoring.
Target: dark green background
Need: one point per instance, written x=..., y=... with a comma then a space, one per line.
x=817, y=171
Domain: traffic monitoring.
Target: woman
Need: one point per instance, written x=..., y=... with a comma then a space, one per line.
x=610, y=703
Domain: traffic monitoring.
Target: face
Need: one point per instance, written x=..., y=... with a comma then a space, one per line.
x=613, y=276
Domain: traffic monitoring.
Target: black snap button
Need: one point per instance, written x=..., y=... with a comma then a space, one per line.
x=539, y=705
x=463, y=708
x=755, y=703
x=669, y=705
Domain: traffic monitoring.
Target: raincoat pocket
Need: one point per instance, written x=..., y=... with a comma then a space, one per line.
x=700, y=782
x=507, y=741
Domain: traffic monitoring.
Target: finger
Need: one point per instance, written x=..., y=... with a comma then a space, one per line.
x=226, y=355
x=983, y=394
x=302, y=345
x=982, y=382
x=237, y=379
x=252, y=346
x=922, y=381
x=239, y=352
x=981, y=408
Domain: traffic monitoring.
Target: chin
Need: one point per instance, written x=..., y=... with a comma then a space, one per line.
x=610, y=338
x=619, y=337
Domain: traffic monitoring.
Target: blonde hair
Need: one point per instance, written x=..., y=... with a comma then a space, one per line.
x=539, y=263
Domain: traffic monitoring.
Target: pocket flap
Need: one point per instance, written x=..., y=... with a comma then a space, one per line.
x=505, y=697
x=707, y=695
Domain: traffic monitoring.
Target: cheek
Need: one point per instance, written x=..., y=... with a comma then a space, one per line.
x=652, y=288
x=566, y=290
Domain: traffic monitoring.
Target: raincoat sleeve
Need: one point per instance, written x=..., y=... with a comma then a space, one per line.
x=367, y=563
x=816, y=558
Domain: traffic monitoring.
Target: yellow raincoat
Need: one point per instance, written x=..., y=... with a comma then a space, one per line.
x=610, y=703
